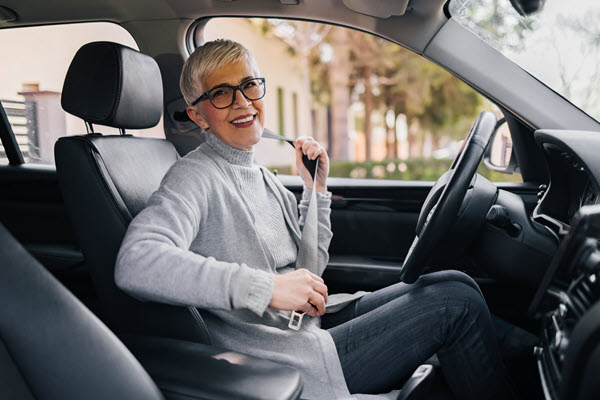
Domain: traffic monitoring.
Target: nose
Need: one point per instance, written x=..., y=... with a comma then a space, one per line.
x=239, y=100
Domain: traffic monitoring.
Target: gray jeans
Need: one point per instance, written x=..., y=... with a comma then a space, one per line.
x=382, y=337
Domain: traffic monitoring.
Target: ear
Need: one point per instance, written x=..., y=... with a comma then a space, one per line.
x=197, y=117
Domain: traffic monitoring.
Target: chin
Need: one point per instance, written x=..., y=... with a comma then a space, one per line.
x=249, y=140
x=256, y=136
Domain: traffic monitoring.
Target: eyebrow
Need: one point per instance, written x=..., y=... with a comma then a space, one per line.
x=227, y=84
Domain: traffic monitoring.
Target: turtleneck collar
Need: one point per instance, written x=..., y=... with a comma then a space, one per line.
x=231, y=154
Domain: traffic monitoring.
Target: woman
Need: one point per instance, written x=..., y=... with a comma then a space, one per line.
x=222, y=234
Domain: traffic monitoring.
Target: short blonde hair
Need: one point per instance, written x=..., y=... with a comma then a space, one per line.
x=207, y=59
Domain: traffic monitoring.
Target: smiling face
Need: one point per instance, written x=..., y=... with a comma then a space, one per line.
x=239, y=125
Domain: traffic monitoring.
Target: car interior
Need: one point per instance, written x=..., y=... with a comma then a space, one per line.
x=67, y=330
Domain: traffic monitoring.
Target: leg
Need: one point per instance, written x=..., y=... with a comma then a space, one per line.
x=445, y=317
x=376, y=299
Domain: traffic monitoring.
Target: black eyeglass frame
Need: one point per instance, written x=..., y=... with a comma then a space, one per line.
x=206, y=95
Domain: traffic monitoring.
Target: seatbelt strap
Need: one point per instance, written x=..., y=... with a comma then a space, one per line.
x=308, y=251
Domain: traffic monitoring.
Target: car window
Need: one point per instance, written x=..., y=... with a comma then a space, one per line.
x=381, y=111
x=32, y=79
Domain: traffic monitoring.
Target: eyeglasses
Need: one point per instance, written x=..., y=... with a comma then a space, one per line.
x=224, y=96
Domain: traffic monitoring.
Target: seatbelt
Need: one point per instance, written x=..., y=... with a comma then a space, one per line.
x=308, y=251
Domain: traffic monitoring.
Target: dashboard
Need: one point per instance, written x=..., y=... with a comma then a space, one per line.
x=566, y=301
x=574, y=170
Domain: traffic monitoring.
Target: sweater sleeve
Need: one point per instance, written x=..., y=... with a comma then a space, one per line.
x=155, y=263
x=324, y=219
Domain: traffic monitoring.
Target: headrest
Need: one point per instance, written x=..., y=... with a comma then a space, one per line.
x=114, y=85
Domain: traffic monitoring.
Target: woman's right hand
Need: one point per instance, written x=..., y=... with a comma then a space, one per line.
x=299, y=291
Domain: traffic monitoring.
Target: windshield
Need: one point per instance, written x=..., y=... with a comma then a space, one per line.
x=560, y=45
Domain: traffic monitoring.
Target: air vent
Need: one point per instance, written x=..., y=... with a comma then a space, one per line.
x=583, y=293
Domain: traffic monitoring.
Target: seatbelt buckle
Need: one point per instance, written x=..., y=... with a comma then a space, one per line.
x=296, y=320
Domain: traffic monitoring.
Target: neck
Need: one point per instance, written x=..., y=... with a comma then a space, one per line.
x=232, y=154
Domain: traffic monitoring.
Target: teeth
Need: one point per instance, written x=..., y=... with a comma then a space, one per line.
x=243, y=121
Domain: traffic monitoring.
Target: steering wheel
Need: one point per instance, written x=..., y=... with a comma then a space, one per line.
x=442, y=205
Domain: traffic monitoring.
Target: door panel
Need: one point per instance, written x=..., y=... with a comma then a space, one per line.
x=373, y=224
x=32, y=209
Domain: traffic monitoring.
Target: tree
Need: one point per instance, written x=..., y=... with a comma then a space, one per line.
x=391, y=79
x=424, y=92
x=365, y=58
x=402, y=88
x=339, y=87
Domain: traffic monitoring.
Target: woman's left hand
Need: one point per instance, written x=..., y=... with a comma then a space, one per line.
x=307, y=145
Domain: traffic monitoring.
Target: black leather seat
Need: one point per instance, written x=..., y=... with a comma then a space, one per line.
x=51, y=346
x=106, y=180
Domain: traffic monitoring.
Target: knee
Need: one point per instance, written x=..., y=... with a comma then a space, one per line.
x=449, y=276
x=463, y=299
x=461, y=277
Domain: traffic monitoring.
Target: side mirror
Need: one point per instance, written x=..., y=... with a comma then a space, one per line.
x=528, y=7
x=499, y=156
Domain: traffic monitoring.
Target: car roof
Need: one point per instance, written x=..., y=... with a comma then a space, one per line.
x=416, y=27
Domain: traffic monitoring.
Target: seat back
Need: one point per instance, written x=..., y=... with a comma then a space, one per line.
x=107, y=180
x=51, y=346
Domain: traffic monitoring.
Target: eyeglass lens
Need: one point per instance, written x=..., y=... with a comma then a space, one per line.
x=222, y=97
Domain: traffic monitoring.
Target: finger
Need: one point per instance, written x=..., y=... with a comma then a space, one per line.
x=319, y=301
x=299, y=141
x=300, y=167
x=322, y=153
x=299, y=155
x=310, y=310
x=311, y=148
x=316, y=277
x=307, y=143
x=315, y=152
x=321, y=288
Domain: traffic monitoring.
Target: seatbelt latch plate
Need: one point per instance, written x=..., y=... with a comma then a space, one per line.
x=296, y=316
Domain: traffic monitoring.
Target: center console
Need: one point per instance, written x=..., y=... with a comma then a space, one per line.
x=568, y=354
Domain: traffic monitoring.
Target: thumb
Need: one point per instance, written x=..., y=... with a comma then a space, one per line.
x=299, y=164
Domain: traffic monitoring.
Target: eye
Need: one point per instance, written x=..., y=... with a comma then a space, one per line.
x=220, y=92
x=250, y=84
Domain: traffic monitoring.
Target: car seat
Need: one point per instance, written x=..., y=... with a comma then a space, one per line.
x=51, y=346
x=107, y=179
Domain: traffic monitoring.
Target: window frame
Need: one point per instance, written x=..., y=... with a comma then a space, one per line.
x=9, y=140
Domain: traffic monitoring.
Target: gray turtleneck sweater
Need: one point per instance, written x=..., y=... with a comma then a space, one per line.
x=213, y=236
x=264, y=207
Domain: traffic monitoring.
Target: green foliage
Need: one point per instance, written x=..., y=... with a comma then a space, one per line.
x=400, y=80
x=417, y=169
